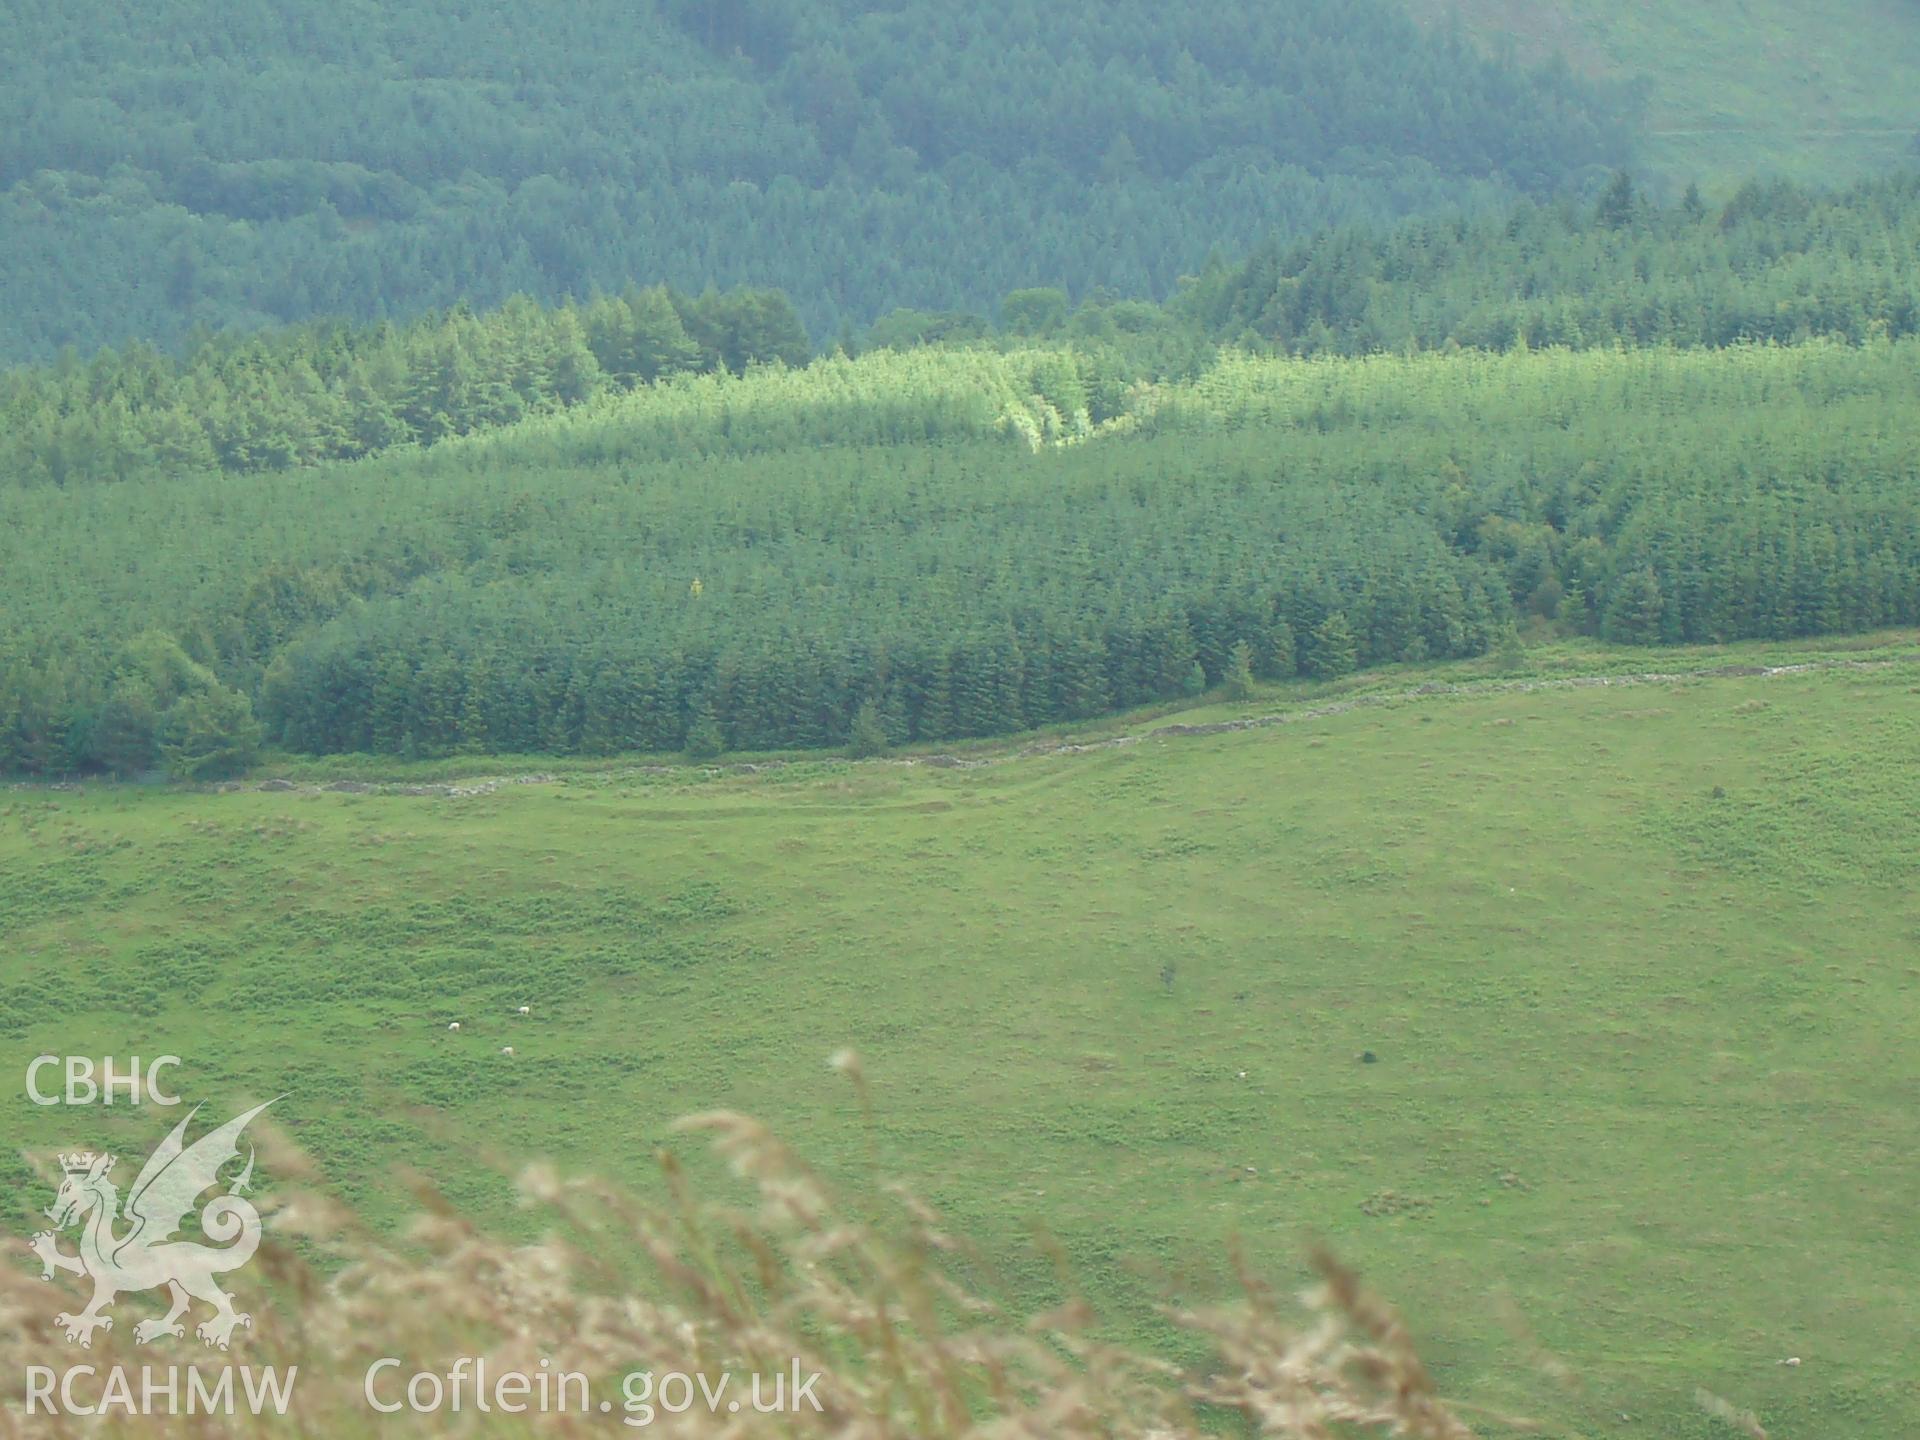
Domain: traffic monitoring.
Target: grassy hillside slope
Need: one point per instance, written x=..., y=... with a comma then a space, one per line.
x=1636, y=962
x=1737, y=87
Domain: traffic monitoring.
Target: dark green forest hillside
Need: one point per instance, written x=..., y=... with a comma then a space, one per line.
x=176, y=164
x=944, y=543
x=1776, y=262
x=545, y=460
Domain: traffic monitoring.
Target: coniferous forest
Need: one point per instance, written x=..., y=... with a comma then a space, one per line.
x=935, y=544
x=1295, y=622
x=405, y=402
x=1773, y=263
x=173, y=168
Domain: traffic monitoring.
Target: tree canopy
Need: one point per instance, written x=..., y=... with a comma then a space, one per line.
x=174, y=165
x=942, y=543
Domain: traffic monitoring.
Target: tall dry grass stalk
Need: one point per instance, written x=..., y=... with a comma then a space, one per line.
x=905, y=1350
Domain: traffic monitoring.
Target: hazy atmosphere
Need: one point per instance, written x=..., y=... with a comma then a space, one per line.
x=895, y=721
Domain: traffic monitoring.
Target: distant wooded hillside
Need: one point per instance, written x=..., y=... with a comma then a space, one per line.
x=175, y=164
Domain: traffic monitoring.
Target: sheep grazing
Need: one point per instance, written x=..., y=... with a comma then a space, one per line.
x=454, y=1026
x=526, y=1010
x=506, y=1049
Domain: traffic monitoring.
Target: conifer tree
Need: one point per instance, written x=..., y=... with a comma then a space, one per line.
x=868, y=736
x=123, y=739
x=705, y=741
x=1635, y=612
x=1276, y=659
x=1334, y=651
x=209, y=734
x=1238, y=682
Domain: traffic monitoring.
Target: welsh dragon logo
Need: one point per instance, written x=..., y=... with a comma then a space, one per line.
x=146, y=1254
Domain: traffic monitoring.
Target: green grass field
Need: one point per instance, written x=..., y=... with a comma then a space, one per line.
x=1737, y=87
x=1640, y=964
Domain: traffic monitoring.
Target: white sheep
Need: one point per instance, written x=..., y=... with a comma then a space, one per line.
x=526, y=1010
x=454, y=1026
x=506, y=1050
